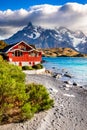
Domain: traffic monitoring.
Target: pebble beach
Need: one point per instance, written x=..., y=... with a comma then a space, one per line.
x=68, y=113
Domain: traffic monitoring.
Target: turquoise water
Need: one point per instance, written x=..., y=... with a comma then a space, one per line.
x=77, y=67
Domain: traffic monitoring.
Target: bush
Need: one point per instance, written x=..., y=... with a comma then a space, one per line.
x=2, y=44
x=1, y=58
x=38, y=100
x=12, y=90
x=27, y=68
x=19, y=102
x=38, y=66
x=39, y=97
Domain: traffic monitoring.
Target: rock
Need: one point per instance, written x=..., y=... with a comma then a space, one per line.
x=64, y=85
x=68, y=86
x=81, y=86
x=67, y=75
x=57, y=75
x=50, y=89
x=53, y=67
x=68, y=82
x=48, y=72
x=75, y=84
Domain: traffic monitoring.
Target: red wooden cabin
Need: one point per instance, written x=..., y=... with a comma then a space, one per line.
x=22, y=54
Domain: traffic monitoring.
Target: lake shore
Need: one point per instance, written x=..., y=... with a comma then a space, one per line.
x=68, y=113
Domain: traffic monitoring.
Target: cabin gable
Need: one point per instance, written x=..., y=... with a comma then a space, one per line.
x=21, y=46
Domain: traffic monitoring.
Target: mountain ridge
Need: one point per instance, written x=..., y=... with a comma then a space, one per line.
x=51, y=38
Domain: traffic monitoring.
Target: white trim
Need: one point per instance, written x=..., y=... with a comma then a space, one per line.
x=16, y=50
x=23, y=50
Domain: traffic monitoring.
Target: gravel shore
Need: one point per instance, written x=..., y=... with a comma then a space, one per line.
x=68, y=113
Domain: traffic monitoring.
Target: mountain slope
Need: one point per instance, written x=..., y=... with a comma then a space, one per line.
x=51, y=38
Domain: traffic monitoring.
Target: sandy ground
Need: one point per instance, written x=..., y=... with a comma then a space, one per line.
x=68, y=113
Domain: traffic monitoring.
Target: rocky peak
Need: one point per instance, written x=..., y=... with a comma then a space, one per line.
x=51, y=38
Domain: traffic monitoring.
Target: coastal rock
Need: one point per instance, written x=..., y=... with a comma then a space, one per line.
x=68, y=86
x=68, y=82
x=57, y=75
x=48, y=72
x=74, y=83
x=67, y=75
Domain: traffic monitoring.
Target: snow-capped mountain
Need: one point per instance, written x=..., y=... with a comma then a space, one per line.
x=51, y=38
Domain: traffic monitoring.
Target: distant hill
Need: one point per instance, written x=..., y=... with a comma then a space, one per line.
x=59, y=52
x=51, y=38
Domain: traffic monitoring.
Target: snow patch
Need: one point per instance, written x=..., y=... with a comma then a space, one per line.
x=30, y=36
x=76, y=41
x=37, y=34
x=25, y=34
x=34, y=35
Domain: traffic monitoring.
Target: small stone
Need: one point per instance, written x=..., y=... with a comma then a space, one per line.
x=75, y=84
x=67, y=75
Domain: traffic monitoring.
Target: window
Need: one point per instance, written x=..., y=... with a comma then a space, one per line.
x=17, y=53
x=32, y=54
x=37, y=54
x=22, y=47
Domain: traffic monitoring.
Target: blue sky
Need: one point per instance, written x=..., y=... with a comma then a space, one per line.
x=17, y=4
x=16, y=14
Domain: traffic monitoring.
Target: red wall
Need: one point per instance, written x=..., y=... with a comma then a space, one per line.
x=25, y=57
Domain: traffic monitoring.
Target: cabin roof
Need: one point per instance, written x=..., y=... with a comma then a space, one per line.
x=7, y=48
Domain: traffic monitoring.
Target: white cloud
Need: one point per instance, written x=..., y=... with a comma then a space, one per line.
x=70, y=15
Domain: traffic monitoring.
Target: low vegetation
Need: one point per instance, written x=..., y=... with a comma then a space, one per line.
x=2, y=44
x=27, y=68
x=38, y=66
x=34, y=67
x=18, y=101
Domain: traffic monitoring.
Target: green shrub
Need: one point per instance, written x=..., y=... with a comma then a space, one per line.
x=27, y=111
x=2, y=44
x=39, y=97
x=19, y=102
x=27, y=68
x=38, y=66
x=12, y=88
